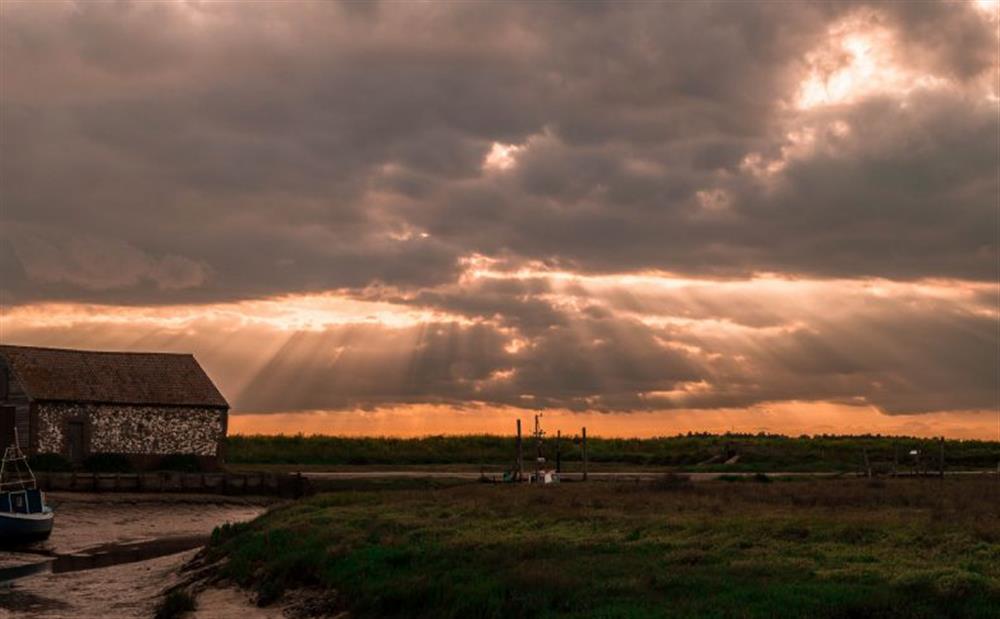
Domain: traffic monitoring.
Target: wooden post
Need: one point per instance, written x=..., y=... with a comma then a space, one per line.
x=941, y=459
x=868, y=465
x=558, y=451
x=584, y=453
x=520, y=455
x=895, y=458
x=538, y=451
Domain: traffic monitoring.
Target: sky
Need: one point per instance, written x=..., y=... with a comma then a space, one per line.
x=436, y=217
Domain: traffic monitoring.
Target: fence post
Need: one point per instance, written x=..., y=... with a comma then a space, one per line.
x=585, y=461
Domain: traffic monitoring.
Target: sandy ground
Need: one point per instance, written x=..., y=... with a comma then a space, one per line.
x=85, y=521
x=230, y=604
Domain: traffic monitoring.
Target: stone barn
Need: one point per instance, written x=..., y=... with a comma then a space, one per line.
x=141, y=405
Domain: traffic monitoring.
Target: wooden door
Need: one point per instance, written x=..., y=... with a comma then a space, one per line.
x=76, y=441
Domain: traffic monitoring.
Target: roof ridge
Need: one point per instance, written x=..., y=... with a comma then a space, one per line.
x=98, y=352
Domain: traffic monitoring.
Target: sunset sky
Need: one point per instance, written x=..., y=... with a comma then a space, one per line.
x=436, y=217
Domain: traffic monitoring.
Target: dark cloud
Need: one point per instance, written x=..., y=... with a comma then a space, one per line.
x=280, y=149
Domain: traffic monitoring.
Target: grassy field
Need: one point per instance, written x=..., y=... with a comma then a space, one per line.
x=672, y=548
x=686, y=452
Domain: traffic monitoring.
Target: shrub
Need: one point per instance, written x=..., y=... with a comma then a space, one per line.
x=108, y=463
x=184, y=463
x=227, y=531
x=949, y=583
x=50, y=463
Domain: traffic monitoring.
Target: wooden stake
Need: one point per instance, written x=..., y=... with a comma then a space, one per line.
x=868, y=465
x=558, y=451
x=584, y=453
x=520, y=454
x=538, y=450
x=941, y=459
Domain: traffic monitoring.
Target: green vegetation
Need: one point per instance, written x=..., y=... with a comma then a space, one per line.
x=818, y=548
x=757, y=452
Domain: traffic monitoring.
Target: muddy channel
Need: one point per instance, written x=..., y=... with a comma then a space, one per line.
x=111, y=556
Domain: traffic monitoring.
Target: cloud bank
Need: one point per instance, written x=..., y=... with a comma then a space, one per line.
x=591, y=206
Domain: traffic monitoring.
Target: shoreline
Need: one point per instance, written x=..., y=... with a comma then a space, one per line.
x=87, y=524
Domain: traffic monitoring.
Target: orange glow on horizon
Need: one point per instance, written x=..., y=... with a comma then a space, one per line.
x=788, y=418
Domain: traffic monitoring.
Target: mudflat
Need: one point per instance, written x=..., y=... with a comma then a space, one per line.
x=96, y=525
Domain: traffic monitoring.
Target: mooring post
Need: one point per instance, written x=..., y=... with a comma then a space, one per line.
x=520, y=455
x=558, y=451
x=584, y=453
x=538, y=450
x=941, y=458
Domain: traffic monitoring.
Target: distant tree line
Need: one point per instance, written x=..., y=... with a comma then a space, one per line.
x=703, y=451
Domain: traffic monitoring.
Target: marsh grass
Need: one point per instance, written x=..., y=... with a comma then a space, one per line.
x=758, y=452
x=819, y=548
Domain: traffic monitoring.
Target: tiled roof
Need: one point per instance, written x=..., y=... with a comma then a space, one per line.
x=165, y=379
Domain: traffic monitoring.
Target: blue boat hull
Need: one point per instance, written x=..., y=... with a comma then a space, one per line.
x=25, y=528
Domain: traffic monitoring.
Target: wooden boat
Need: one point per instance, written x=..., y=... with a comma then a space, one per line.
x=24, y=517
